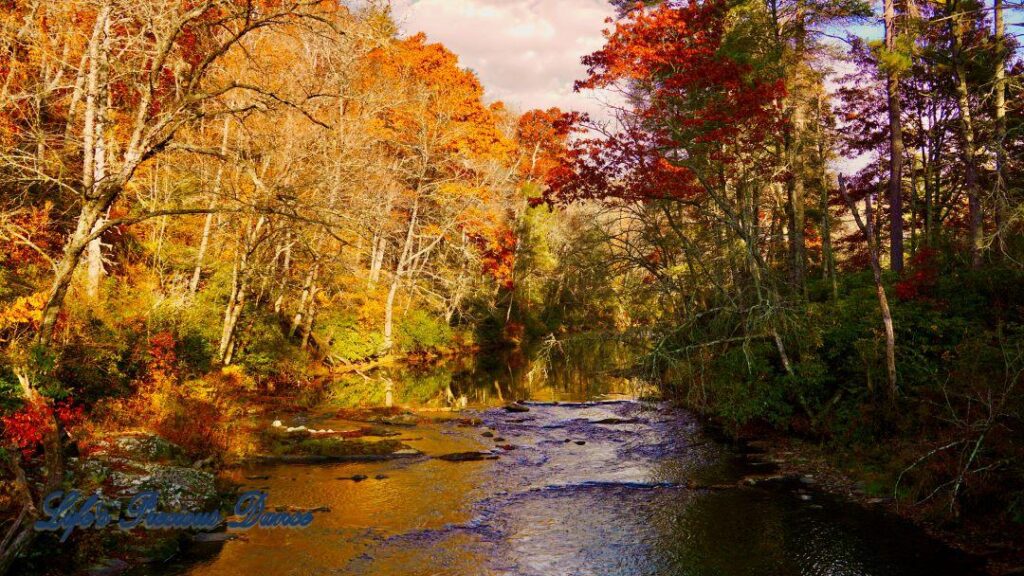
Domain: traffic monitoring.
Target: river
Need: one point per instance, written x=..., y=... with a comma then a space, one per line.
x=590, y=482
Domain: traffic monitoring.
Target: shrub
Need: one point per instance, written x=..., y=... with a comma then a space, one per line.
x=195, y=353
x=348, y=339
x=419, y=331
x=265, y=351
x=746, y=388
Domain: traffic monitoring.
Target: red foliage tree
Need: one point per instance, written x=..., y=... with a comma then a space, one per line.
x=692, y=102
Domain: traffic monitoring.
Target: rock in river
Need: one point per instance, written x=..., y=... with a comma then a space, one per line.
x=108, y=568
x=616, y=421
x=467, y=456
x=214, y=537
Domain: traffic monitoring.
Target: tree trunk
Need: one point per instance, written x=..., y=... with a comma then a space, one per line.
x=1001, y=200
x=929, y=196
x=389, y=307
x=95, y=167
x=208, y=224
x=865, y=226
x=827, y=253
x=963, y=100
x=795, y=213
x=286, y=267
x=914, y=205
x=232, y=312
x=94, y=266
x=65, y=268
x=98, y=195
x=376, y=260
x=396, y=279
x=304, y=299
x=895, y=147
x=795, y=150
x=239, y=292
x=307, y=325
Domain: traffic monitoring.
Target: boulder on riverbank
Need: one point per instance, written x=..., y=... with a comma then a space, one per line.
x=181, y=488
x=137, y=446
x=124, y=464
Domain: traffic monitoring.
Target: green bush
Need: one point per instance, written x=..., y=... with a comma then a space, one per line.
x=195, y=353
x=746, y=387
x=102, y=360
x=419, y=331
x=265, y=350
x=348, y=339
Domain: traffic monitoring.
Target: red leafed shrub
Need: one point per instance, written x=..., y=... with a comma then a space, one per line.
x=68, y=414
x=196, y=425
x=26, y=427
x=161, y=352
x=922, y=278
x=161, y=366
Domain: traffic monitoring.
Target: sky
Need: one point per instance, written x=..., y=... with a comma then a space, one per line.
x=526, y=52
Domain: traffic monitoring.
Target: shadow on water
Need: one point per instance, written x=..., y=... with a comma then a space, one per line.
x=580, y=488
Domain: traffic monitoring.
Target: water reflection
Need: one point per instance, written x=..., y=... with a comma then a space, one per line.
x=584, y=370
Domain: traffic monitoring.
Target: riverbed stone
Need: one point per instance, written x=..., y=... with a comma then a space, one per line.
x=108, y=567
x=616, y=421
x=214, y=537
x=467, y=456
x=407, y=419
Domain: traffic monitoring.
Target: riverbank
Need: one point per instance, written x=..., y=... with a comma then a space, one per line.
x=997, y=544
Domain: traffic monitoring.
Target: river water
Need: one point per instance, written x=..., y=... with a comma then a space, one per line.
x=597, y=484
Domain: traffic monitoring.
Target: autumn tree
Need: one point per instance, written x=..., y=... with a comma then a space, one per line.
x=130, y=79
x=445, y=145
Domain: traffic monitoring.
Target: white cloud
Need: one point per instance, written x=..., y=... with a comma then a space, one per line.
x=526, y=52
